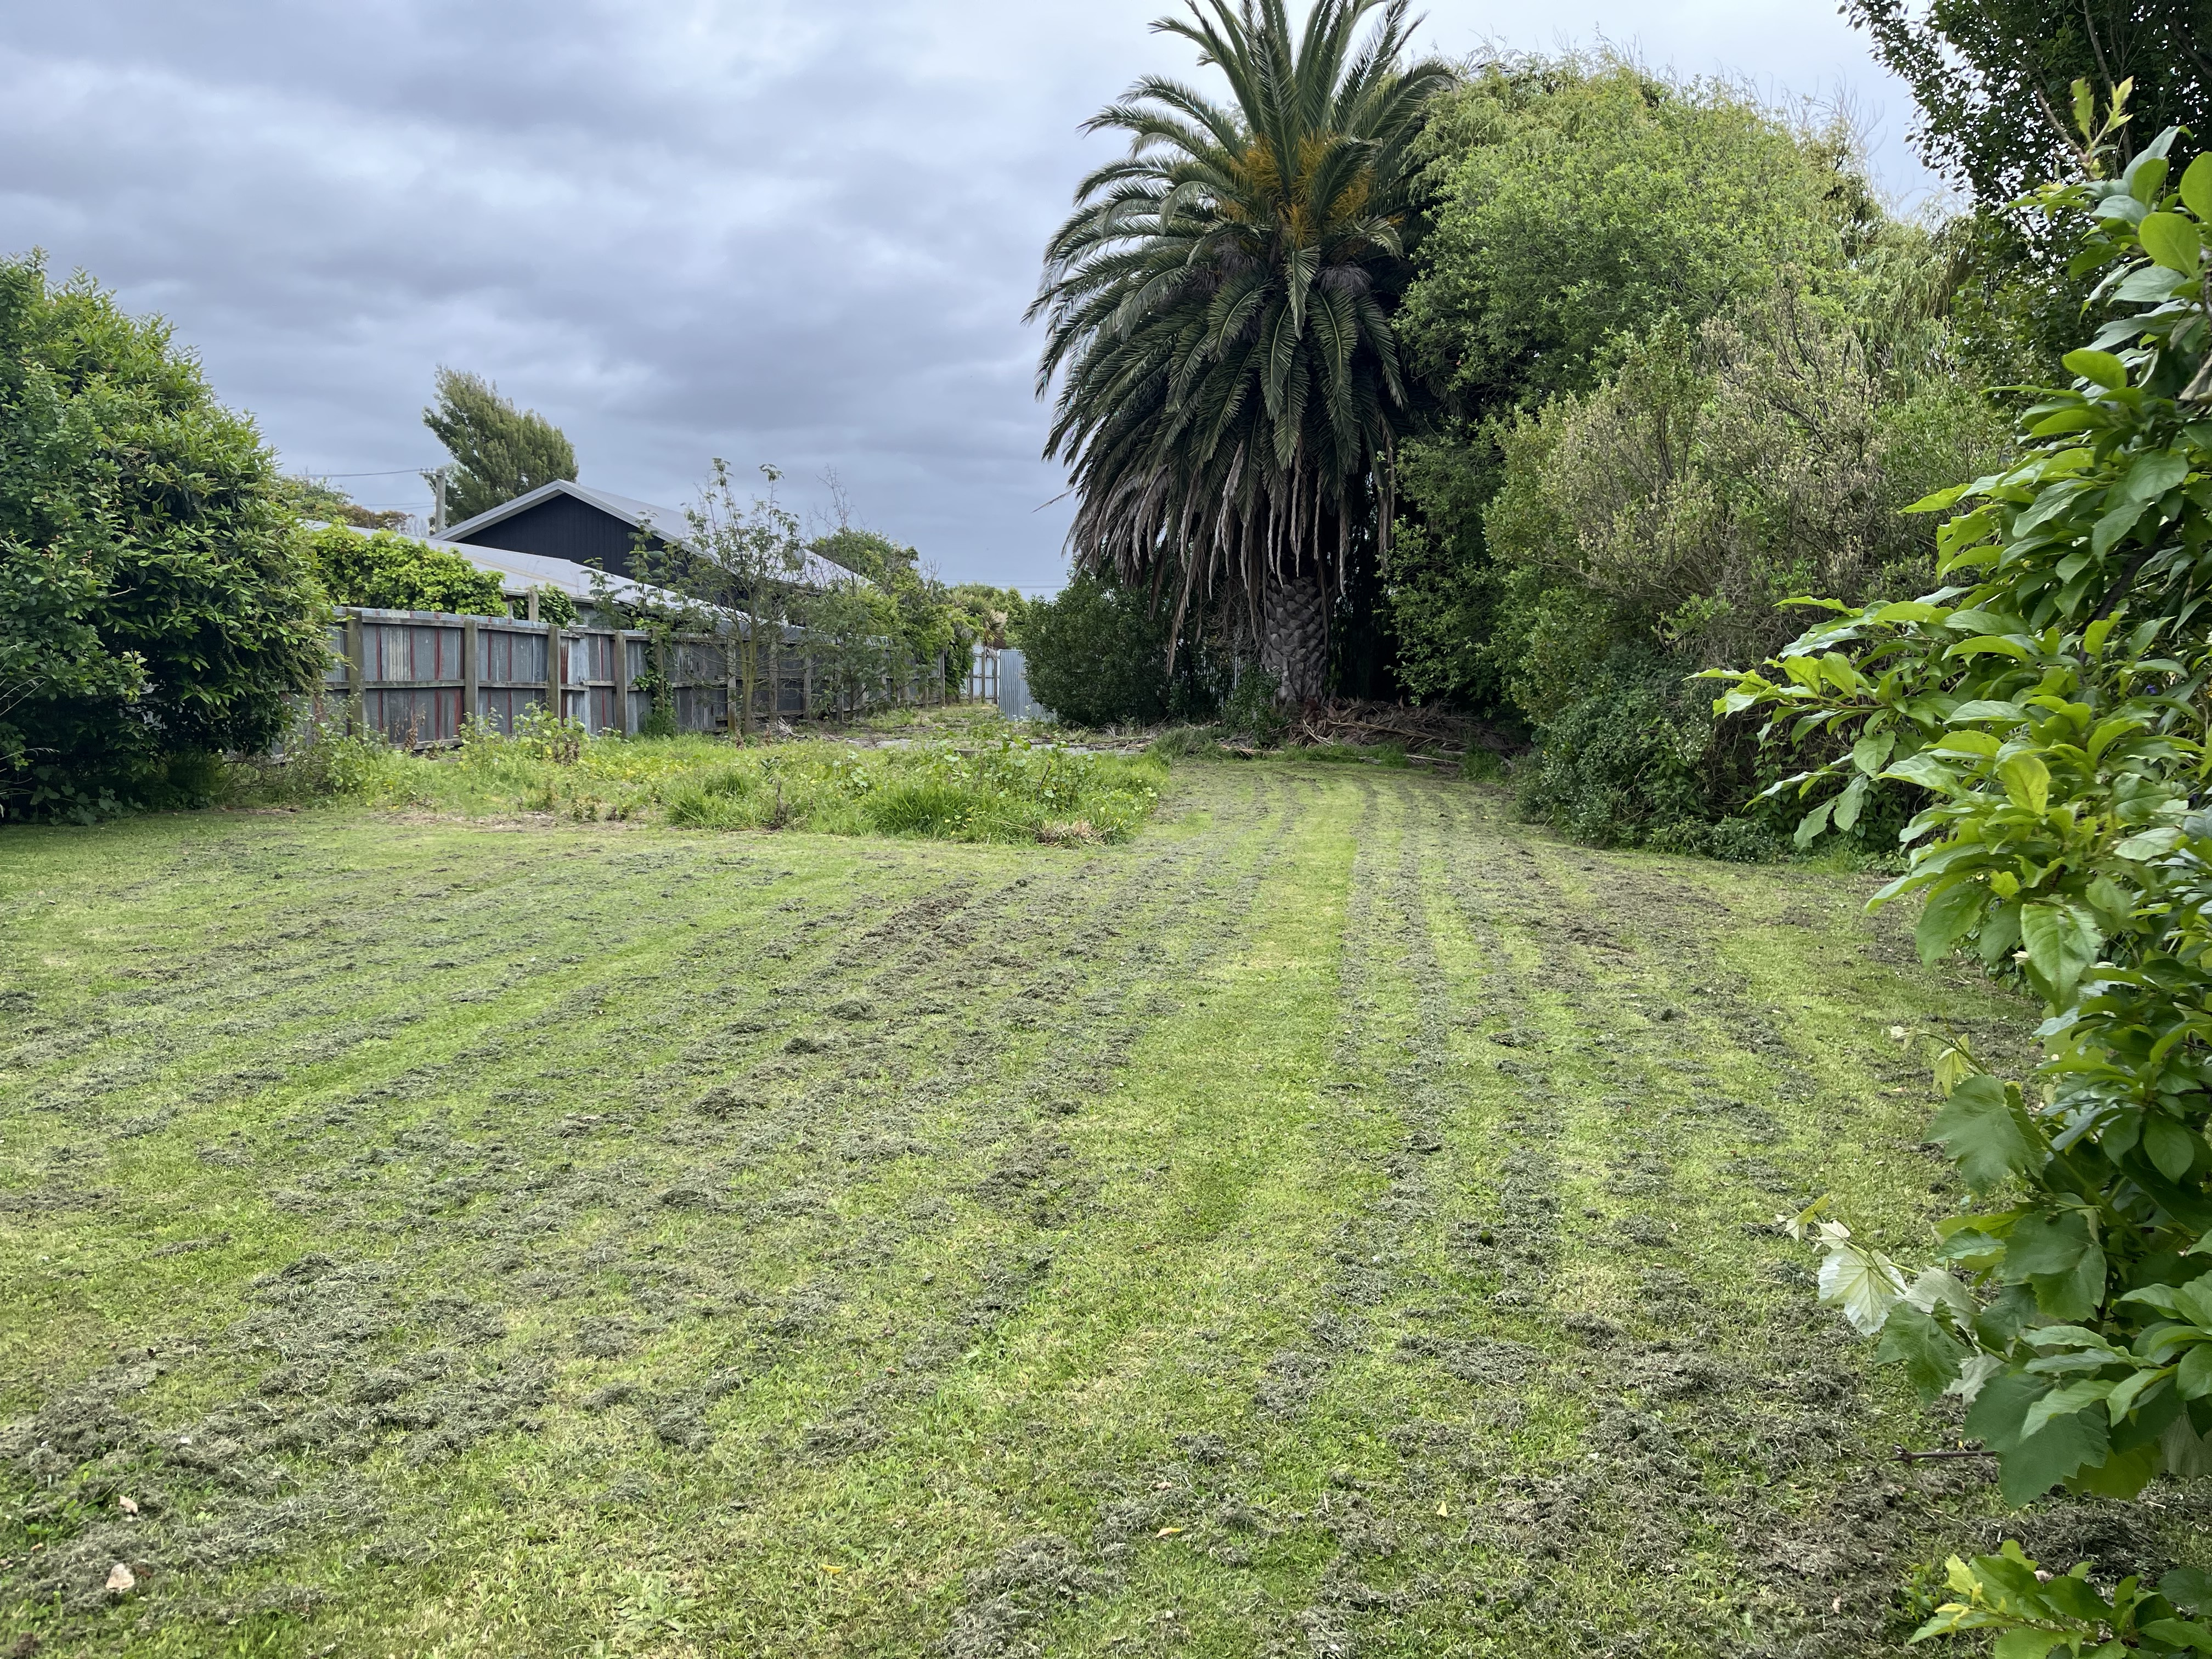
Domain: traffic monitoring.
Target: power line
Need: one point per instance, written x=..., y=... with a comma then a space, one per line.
x=397, y=472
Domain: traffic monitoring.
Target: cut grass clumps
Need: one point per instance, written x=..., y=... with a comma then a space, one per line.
x=1013, y=791
x=1336, y=1221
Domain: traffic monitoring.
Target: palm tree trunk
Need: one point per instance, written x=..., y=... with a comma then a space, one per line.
x=1294, y=638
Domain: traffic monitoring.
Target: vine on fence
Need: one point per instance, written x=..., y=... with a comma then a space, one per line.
x=2051, y=702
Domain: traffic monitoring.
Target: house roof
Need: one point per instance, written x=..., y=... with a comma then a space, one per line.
x=668, y=524
x=640, y=515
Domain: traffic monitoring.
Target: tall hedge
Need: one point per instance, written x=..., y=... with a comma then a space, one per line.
x=389, y=572
x=1096, y=655
x=155, y=601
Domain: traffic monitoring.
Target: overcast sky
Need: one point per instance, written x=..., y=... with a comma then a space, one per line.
x=797, y=233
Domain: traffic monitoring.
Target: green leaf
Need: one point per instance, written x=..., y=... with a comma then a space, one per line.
x=1849, y=803
x=1872, y=752
x=2106, y=536
x=2188, y=1588
x=2197, y=186
x=1982, y=1133
x=2029, y=1465
x=2149, y=285
x=2062, y=942
x=2044, y=1245
x=1810, y=826
x=2171, y=1147
x=2193, y=1376
x=2160, y=1296
x=2124, y=1396
x=2182, y=1634
x=1912, y=610
x=2026, y=781
x=1931, y=1355
x=2098, y=367
x=2064, y=1402
x=1985, y=645
x=2193, y=1301
x=2060, y=1262
x=1935, y=1288
x=2025, y=1643
x=1864, y=1284
x=2149, y=844
x=2071, y=1595
x=1950, y=914
x=1925, y=769
x=2149, y=476
x=1937, y=502
x=2173, y=241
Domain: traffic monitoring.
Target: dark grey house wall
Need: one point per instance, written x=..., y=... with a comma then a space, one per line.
x=564, y=527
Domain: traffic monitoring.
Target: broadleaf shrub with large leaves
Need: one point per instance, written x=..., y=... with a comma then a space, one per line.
x=2051, y=702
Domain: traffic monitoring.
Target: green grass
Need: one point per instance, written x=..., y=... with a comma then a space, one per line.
x=1333, y=1220
x=962, y=780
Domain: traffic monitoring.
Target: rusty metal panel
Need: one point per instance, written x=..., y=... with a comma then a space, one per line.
x=402, y=654
x=588, y=658
x=511, y=656
x=414, y=715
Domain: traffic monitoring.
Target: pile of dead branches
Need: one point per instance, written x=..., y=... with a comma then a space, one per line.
x=1436, y=732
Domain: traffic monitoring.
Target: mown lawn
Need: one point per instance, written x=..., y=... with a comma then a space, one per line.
x=1335, y=1222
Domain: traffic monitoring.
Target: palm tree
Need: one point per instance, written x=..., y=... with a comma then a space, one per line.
x=1218, y=306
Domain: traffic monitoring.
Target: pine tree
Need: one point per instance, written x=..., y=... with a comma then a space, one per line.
x=500, y=452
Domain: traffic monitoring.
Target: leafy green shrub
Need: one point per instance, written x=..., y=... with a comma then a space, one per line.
x=1730, y=841
x=1252, y=710
x=1624, y=762
x=387, y=572
x=1096, y=654
x=554, y=606
x=1640, y=760
x=154, y=600
x=320, y=760
x=2035, y=1613
x=2053, y=703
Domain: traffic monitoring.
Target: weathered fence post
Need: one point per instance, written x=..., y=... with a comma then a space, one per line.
x=553, y=669
x=621, y=673
x=357, y=675
x=806, y=686
x=471, y=676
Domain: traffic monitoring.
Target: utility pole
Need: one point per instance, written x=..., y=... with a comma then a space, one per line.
x=438, y=515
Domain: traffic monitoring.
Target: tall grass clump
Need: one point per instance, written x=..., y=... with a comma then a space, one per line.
x=1015, y=790
x=1010, y=789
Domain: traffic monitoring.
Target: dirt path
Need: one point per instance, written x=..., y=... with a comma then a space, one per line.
x=1335, y=1224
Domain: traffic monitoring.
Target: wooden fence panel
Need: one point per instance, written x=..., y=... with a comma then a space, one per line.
x=406, y=674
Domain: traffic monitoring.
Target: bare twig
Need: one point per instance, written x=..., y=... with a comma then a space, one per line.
x=1905, y=1456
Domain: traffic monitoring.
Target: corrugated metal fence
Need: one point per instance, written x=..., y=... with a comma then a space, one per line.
x=416, y=675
